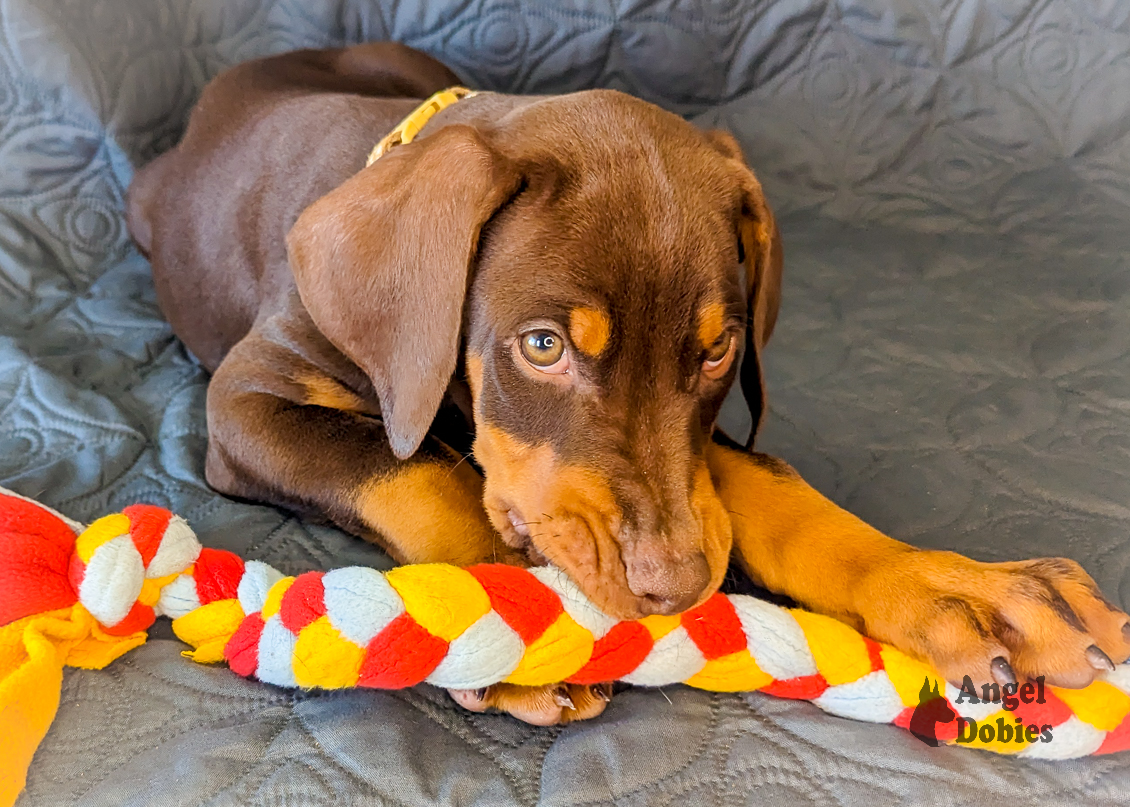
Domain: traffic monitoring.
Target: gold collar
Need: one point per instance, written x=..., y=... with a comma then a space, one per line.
x=408, y=128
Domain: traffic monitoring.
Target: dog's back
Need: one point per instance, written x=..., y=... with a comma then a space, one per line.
x=266, y=139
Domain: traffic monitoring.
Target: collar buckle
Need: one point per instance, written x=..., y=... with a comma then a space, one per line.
x=407, y=129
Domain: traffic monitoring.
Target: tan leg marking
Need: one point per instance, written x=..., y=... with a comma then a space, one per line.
x=432, y=513
x=324, y=391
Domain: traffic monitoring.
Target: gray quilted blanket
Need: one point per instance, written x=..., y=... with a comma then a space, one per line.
x=952, y=363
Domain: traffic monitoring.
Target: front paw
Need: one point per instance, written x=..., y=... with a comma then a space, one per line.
x=996, y=621
x=540, y=706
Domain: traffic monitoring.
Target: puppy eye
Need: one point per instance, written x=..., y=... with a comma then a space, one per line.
x=545, y=350
x=719, y=349
x=717, y=360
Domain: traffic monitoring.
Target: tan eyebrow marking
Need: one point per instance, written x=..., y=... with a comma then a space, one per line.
x=711, y=322
x=589, y=328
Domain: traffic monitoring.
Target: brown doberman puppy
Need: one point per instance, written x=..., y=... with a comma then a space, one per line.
x=509, y=340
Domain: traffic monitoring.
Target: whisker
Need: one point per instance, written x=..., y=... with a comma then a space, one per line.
x=462, y=460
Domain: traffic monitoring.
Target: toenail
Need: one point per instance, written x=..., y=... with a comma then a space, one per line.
x=1098, y=659
x=1002, y=671
x=561, y=697
x=481, y=694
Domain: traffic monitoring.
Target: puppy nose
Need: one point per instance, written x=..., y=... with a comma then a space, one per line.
x=667, y=584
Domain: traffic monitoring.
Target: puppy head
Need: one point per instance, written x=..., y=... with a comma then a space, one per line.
x=608, y=266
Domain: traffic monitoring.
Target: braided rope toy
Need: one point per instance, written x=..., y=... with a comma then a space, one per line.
x=82, y=597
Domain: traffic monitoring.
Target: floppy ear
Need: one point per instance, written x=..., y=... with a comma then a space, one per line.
x=764, y=259
x=760, y=242
x=382, y=264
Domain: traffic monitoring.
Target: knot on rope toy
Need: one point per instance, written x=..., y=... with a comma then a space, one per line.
x=82, y=597
x=121, y=563
x=115, y=568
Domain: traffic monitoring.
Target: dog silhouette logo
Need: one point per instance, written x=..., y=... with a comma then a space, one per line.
x=931, y=710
